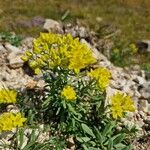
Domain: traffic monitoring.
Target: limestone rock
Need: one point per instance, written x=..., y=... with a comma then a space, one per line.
x=12, y=48
x=144, y=106
x=15, y=60
x=51, y=25
x=144, y=45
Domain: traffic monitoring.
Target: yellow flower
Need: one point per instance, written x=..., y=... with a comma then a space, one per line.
x=8, y=121
x=133, y=48
x=56, y=50
x=80, y=58
x=102, y=76
x=121, y=103
x=68, y=93
x=116, y=50
x=18, y=120
x=117, y=111
x=7, y=96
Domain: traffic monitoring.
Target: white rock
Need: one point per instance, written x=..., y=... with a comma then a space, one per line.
x=140, y=123
x=148, y=109
x=145, y=94
x=51, y=25
x=82, y=32
x=12, y=48
x=15, y=60
x=140, y=80
x=143, y=115
x=99, y=19
x=1, y=47
x=12, y=108
x=144, y=105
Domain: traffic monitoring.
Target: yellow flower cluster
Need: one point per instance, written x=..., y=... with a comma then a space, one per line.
x=8, y=121
x=53, y=50
x=7, y=96
x=133, y=48
x=68, y=93
x=121, y=103
x=102, y=76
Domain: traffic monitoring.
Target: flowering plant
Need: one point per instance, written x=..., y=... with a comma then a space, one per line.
x=72, y=102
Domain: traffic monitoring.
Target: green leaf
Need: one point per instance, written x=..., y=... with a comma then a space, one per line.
x=108, y=128
x=118, y=138
x=87, y=130
x=110, y=144
x=83, y=139
x=120, y=146
x=99, y=135
x=20, y=137
x=128, y=148
x=32, y=140
x=46, y=102
x=71, y=109
x=85, y=147
x=79, y=139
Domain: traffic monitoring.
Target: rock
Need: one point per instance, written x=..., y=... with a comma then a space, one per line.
x=1, y=47
x=138, y=79
x=140, y=123
x=109, y=93
x=12, y=108
x=143, y=115
x=82, y=32
x=27, y=43
x=41, y=84
x=38, y=21
x=24, y=23
x=99, y=19
x=15, y=60
x=145, y=90
x=149, y=109
x=44, y=136
x=143, y=106
x=11, y=48
x=144, y=45
x=52, y=26
x=3, y=55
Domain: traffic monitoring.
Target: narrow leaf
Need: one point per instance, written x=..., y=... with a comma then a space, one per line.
x=87, y=130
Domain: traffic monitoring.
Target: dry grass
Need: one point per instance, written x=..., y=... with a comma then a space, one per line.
x=131, y=16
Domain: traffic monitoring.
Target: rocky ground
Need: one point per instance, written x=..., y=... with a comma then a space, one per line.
x=15, y=74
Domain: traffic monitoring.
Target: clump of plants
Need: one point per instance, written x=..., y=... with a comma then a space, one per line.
x=72, y=105
x=124, y=56
x=11, y=38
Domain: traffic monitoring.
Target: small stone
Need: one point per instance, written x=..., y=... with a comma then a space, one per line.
x=41, y=84
x=143, y=45
x=51, y=25
x=140, y=123
x=12, y=48
x=1, y=47
x=144, y=94
x=140, y=80
x=99, y=19
x=143, y=115
x=143, y=105
x=148, y=109
x=31, y=84
x=15, y=60
x=37, y=21
x=12, y=108
x=44, y=136
x=82, y=32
